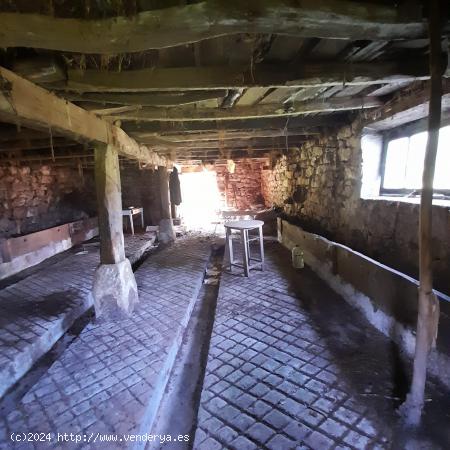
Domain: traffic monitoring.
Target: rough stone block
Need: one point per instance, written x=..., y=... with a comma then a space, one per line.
x=114, y=291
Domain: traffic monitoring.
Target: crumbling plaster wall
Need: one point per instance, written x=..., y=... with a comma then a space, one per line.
x=36, y=197
x=319, y=185
x=242, y=189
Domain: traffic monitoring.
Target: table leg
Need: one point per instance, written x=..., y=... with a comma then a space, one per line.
x=261, y=247
x=229, y=248
x=245, y=250
x=248, y=245
x=142, y=218
x=132, y=224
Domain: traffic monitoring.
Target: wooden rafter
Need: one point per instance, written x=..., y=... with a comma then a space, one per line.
x=223, y=136
x=24, y=103
x=238, y=143
x=235, y=125
x=339, y=19
x=250, y=112
x=24, y=144
x=233, y=77
x=145, y=99
x=404, y=108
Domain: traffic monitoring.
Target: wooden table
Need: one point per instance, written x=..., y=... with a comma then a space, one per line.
x=132, y=212
x=244, y=226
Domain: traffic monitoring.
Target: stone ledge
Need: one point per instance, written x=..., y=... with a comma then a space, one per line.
x=20, y=253
x=386, y=297
x=413, y=201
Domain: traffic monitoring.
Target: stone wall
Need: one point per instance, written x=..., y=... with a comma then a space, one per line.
x=36, y=197
x=241, y=189
x=318, y=186
x=140, y=188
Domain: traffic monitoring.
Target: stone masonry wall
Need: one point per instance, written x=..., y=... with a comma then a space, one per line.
x=318, y=185
x=241, y=189
x=140, y=188
x=36, y=197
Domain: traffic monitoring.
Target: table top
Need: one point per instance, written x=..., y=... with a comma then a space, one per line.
x=244, y=224
x=128, y=212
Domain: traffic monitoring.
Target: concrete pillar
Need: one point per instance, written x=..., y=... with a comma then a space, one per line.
x=114, y=290
x=166, y=231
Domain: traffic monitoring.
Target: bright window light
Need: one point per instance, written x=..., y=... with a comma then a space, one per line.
x=395, y=168
x=442, y=173
x=405, y=158
x=414, y=164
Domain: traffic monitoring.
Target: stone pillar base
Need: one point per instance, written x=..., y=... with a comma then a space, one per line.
x=166, y=231
x=115, y=291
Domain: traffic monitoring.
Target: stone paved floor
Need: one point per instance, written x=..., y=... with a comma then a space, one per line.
x=36, y=310
x=136, y=245
x=111, y=377
x=292, y=366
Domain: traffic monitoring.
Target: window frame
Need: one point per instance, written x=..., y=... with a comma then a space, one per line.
x=407, y=130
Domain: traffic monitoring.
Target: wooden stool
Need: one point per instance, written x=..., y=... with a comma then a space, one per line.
x=244, y=226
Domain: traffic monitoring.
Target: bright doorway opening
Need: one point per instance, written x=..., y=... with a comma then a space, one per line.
x=201, y=201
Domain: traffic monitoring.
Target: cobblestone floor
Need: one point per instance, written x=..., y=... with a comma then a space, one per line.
x=292, y=366
x=111, y=377
x=136, y=245
x=36, y=310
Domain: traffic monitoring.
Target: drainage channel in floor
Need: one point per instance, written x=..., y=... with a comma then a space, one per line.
x=177, y=414
x=13, y=396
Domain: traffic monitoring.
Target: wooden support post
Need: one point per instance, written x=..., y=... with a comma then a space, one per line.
x=166, y=231
x=428, y=315
x=173, y=210
x=109, y=201
x=114, y=290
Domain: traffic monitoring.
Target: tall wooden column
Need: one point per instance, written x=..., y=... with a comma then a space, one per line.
x=428, y=307
x=114, y=290
x=109, y=205
x=166, y=231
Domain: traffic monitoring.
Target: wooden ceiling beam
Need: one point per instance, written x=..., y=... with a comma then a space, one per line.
x=235, y=125
x=49, y=157
x=229, y=77
x=145, y=99
x=108, y=110
x=337, y=19
x=260, y=147
x=39, y=69
x=407, y=106
x=249, y=112
x=234, y=155
x=12, y=134
x=25, y=144
x=224, y=136
x=241, y=143
x=24, y=103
